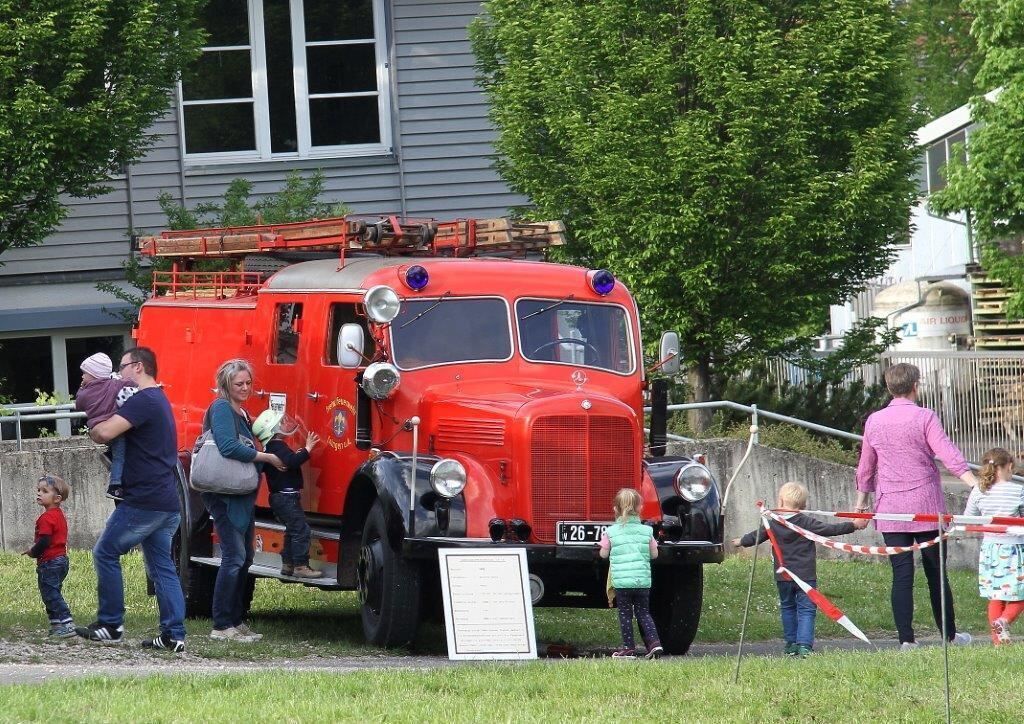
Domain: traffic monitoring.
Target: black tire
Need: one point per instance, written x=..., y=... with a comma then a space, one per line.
x=676, y=600
x=389, y=586
x=199, y=591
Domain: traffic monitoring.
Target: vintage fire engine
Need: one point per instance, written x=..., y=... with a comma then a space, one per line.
x=468, y=397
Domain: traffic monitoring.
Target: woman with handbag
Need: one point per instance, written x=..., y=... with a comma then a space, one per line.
x=234, y=514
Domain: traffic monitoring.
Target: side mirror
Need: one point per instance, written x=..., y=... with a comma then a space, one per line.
x=668, y=360
x=350, y=346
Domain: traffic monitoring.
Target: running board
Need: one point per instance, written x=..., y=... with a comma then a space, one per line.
x=261, y=571
x=315, y=532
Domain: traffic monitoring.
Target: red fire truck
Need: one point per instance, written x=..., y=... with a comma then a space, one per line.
x=469, y=396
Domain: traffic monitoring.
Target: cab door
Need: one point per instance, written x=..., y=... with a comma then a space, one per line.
x=331, y=409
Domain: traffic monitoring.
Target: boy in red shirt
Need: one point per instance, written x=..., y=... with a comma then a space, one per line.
x=51, y=553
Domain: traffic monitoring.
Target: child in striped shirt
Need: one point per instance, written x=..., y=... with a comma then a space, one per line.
x=1001, y=561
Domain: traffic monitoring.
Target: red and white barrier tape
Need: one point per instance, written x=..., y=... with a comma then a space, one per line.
x=848, y=547
x=948, y=520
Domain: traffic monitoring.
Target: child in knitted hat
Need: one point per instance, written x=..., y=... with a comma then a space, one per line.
x=101, y=394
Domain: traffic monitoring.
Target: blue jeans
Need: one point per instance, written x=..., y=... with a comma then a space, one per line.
x=50, y=575
x=798, y=612
x=287, y=508
x=116, y=460
x=236, y=553
x=126, y=528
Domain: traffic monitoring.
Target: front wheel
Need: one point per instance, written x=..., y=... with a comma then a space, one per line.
x=676, y=600
x=389, y=586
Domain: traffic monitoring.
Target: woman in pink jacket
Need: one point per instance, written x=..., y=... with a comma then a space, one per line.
x=897, y=464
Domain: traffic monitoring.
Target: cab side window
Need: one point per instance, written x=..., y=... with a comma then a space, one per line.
x=288, y=320
x=342, y=314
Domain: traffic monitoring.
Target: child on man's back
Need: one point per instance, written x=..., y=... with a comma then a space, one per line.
x=51, y=553
x=799, y=556
x=99, y=397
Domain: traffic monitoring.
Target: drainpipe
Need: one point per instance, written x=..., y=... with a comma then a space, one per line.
x=901, y=310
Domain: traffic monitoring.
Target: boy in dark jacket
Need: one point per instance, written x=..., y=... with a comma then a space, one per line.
x=272, y=427
x=799, y=556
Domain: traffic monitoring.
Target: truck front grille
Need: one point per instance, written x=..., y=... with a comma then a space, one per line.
x=578, y=463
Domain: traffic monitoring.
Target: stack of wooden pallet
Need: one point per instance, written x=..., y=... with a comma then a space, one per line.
x=992, y=329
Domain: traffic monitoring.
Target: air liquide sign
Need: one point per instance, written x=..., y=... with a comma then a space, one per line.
x=927, y=323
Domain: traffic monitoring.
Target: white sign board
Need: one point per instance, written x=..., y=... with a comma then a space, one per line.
x=278, y=401
x=488, y=613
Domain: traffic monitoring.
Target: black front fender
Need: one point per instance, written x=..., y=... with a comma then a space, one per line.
x=433, y=514
x=700, y=521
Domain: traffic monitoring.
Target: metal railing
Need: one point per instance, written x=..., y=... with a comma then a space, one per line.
x=756, y=413
x=30, y=412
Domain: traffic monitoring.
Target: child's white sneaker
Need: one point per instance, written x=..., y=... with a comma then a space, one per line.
x=961, y=638
x=908, y=645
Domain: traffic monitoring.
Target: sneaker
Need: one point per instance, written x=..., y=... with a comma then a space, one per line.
x=63, y=630
x=115, y=492
x=1000, y=632
x=230, y=634
x=163, y=641
x=287, y=569
x=790, y=649
x=623, y=653
x=908, y=645
x=246, y=631
x=655, y=652
x=306, y=572
x=961, y=638
x=101, y=633
x=803, y=651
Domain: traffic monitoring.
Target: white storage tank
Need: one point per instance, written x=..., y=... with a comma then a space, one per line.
x=944, y=314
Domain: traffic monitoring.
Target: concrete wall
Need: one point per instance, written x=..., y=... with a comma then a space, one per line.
x=79, y=461
x=830, y=486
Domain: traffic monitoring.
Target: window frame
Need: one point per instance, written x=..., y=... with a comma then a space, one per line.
x=261, y=99
x=508, y=318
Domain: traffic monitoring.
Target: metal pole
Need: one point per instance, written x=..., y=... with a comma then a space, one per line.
x=942, y=606
x=746, y=607
x=415, y=422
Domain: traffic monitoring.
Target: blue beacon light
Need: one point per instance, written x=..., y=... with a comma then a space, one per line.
x=416, y=277
x=601, y=281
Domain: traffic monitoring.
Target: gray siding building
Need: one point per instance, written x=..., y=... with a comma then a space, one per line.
x=377, y=94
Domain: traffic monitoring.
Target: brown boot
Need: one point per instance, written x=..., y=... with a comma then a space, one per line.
x=306, y=572
x=287, y=569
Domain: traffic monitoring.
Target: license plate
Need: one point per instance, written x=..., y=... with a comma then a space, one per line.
x=581, y=533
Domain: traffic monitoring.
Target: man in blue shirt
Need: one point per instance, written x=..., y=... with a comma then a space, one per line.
x=149, y=514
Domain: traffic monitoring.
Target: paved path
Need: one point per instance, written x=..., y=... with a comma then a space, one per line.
x=17, y=673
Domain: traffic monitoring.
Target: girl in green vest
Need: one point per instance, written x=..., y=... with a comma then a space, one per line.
x=630, y=545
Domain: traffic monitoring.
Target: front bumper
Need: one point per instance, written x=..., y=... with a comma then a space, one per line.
x=669, y=554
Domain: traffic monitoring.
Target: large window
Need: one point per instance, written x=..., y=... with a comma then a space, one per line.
x=575, y=333
x=288, y=78
x=931, y=176
x=440, y=331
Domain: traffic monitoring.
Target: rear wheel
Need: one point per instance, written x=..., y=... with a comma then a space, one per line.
x=676, y=600
x=389, y=586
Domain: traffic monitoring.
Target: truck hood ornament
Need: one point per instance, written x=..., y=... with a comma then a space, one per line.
x=579, y=378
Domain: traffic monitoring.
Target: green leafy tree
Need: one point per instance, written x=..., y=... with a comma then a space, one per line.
x=943, y=53
x=990, y=183
x=80, y=82
x=298, y=200
x=740, y=164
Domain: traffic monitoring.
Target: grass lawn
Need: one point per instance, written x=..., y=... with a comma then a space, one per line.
x=300, y=621
x=888, y=686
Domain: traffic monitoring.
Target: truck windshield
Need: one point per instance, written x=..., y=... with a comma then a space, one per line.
x=575, y=333
x=459, y=330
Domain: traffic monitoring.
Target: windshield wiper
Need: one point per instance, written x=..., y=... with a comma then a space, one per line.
x=432, y=306
x=563, y=300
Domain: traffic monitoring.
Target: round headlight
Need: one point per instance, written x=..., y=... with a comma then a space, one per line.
x=693, y=482
x=382, y=303
x=380, y=379
x=448, y=478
